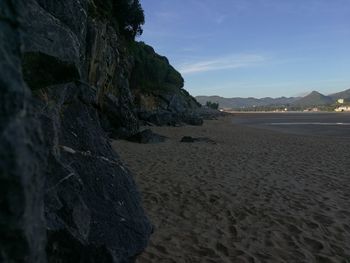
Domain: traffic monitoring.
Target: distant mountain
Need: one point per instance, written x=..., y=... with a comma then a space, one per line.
x=341, y=95
x=235, y=103
x=313, y=99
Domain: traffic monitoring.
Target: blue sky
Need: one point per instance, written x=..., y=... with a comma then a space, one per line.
x=258, y=48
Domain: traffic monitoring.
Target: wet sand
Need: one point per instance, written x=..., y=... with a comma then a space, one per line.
x=315, y=123
x=254, y=196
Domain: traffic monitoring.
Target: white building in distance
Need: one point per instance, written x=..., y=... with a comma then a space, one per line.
x=343, y=108
x=341, y=101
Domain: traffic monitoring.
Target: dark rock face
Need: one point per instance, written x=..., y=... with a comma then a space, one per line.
x=147, y=136
x=65, y=195
x=118, y=121
x=211, y=114
x=193, y=119
x=22, y=231
x=57, y=29
x=158, y=88
x=92, y=207
x=67, y=84
x=168, y=118
x=109, y=72
x=159, y=117
x=41, y=70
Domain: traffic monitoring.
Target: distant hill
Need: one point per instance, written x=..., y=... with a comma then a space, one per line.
x=313, y=99
x=341, y=95
x=235, y=103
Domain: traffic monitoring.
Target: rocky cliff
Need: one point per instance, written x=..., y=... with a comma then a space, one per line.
x=158, y=89
x=69, y=81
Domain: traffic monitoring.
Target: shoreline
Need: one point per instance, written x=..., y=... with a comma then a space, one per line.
x=256, y=195
x=286, y=112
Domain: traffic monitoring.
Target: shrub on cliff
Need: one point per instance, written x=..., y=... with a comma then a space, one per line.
x=151, y=71
x=130, y=17
x=127, y=15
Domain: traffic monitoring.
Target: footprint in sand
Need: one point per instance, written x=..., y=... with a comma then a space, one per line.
x=324, y=259
x=313, y=244
x=222, y=249
x=323, y=219
x=161, y=249
x=312, y=225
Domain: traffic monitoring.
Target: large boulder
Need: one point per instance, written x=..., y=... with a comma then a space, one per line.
x=147, y=136
x=92, y=206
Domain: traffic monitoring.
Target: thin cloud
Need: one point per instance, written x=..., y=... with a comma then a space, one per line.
x=157, y=32
x=167, y=15
x=307, y=7
x=220, y=19
x=189, y=49
x=222, y=63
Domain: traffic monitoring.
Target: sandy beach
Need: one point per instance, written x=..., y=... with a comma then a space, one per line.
x=254, y=196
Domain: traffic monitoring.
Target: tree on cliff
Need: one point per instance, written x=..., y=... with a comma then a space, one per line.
x=130, y=16
x=126, y=15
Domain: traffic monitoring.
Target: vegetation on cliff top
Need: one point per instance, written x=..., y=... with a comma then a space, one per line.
x=127, y=15
x=152, y=72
